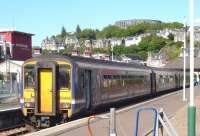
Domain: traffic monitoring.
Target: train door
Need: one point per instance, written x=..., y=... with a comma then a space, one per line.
x=45, y=96
x=153, y=83
x=45, y=88
x=87, y=88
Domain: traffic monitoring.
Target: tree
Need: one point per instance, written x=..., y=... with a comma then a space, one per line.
x=119, y=50
x=143, y=55
x=197, y=43
x=78, y=32
x=171, y=37
x=81, y=49
x=112, y=31
x=88, y=34
x=78, y=29
x=63, y=32
x=64, y=52
x=172, y=51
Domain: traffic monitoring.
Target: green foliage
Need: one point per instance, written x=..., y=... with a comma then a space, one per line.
x=88, y=34
x=136, y=29
x=143, y=54
x=78, y=32
x=45, y=51
x=81, y=49
x=171, y=37
x=152, y=43
x=174, y=25
x=197, y=43
x=133, y=49
x=78, y=29
x=112, y=31
x=119, y=50
x=106, y=50
x=63, y=32
x=172, y=50
x=117, y=32
x=1, y=76
x=64, y=52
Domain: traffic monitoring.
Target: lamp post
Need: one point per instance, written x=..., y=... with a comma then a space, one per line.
x=191, y=107
x=184, y=61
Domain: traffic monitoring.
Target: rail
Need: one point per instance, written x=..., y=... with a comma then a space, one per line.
x=155, y=127
x=161, y=121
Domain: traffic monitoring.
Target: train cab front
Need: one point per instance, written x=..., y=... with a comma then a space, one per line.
x=47, y=92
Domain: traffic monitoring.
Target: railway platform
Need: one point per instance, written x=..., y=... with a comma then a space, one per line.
x=9, y=103
x=10, y=113
x=172, y=104
x=10, y=116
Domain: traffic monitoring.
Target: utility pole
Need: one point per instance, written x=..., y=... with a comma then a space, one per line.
x=191, y=108
x=184, y=61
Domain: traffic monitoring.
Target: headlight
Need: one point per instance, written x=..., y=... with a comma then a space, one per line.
x=65, y=105
x=29, y=105
x=21, y=100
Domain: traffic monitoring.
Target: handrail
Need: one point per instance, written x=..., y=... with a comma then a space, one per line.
x=155, y=112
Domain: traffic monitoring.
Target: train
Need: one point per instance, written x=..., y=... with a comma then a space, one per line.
x=56, y=88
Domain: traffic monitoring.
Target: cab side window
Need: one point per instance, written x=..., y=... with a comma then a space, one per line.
x=64, y=77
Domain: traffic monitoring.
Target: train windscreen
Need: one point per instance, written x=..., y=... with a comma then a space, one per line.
x=29, y=77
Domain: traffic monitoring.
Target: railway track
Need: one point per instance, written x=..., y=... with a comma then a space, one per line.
x=11, y=121
x=14, y=130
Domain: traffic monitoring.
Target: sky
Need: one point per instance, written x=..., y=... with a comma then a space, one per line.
x=46, y=17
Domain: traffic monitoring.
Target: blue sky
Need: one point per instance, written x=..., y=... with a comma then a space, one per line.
x=46, y=17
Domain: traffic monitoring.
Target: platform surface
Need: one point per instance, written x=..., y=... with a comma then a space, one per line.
x=9, y=103
x=125, y=119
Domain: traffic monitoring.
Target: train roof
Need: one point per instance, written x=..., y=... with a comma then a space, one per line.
x=166, y=69
x=96, y=63
x=82, y=60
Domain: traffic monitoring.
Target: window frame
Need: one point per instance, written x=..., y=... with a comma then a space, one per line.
x=26, y=86
x=67, y=68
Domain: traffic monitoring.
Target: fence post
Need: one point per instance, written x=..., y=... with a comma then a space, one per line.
x=112, y=122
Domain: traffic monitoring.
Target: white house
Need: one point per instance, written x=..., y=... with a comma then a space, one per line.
x=133, y=40
x=72, y=40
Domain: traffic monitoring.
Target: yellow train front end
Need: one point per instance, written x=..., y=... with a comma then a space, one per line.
x=47, y=94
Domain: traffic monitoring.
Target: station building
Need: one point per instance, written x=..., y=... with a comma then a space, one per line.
x=15, y=48
x=16, y=44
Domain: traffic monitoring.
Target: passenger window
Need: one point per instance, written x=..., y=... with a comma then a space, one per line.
x=82, y=80
x=29, y=77
x=64, y=77
x=107, y=82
